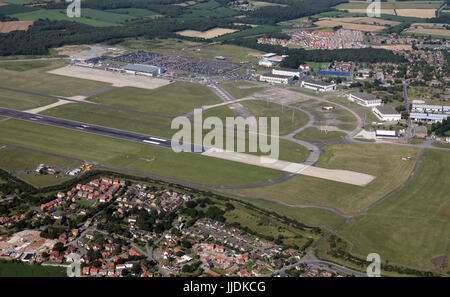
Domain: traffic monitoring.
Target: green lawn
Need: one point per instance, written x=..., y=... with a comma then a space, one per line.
x=286, y=121
x=411, y=227
x=382, y=161
x=173, y=99
x=25, y=270
x=241, y=89
x=157, y=160
x=20, y=101
x=314, y=134
x=37, y=80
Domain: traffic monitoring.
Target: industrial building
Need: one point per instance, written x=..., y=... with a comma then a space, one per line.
x=318, y=85
x=386, y=113
x=147, y=70
x=286, y=72
x=364, y=99
x=428, y=117
x=430, y=108
x=266, y=63
x=275, y=78
x=334, y=73
x=386, y=134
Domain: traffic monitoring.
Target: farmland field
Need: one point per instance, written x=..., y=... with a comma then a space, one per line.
x=137, y=12
x=216, y=32
x=6, y=27
x=55, y=14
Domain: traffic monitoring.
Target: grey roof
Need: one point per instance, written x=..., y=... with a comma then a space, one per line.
x=387, y=110
x=268, y=74
x=317, y=82
x=286, y=69
x=365, y=96
x=141, y=68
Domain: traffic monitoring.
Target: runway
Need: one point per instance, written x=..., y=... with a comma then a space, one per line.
x=88, y=128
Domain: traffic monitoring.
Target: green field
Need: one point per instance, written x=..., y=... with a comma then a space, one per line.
x=156, y=45
x=25, y=270
x=411, y=227
x=113, y=118
x=392, y=5
x=137, y=12
x=174, y=99
x=59, y=15
x=237, y=54
x=37, y=80
x=20, y=101
x=12, y=159
x=314, y=134
x=106, y=16
x=249, y=32
x=265, y=109
x=241, y=89
x=382, y=161
x=186, y=166
x=40, y=180
x=14, y=8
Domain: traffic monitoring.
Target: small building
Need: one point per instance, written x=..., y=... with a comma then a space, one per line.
x=304, y=67
x=286, y=72
x=386, y=113
x=386, y=134
x=274, y=78
x=318, y=85
x=364, y=99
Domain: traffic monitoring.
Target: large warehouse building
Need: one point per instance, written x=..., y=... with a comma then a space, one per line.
x=386, y=113
x=318, y=85
x=147, y=70
x=276, y=78
x=364, y=99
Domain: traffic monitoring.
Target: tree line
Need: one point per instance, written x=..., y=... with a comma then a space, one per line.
x=300, y=56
